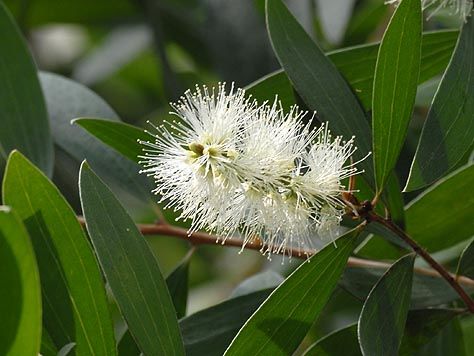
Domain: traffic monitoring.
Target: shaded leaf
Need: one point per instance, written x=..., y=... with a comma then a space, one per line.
x=74, y=300
x=384, y=313
x=130, y=268
x=395, y=81
x=20, y=296
x=67, y=100
x=127, y=345
x=120, y=136
x=427, y=291
x=177, y=282
x=317, y=80
x=340, y=342
x=466, y=261
x=357, y=65
x=450, y=210
x=448, y=132
x=210, y=331
x=48, y=348
x=421, y=326
x=283, y=320
x=23, y=115
x=448, y=342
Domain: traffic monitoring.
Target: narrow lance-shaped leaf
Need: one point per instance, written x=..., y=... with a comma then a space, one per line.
x=450, y=208
x=395, y=82
x=20, y=294
x=74, y=299
x=177, y=283
x=318, y=81
x=448, y=132
x=357, y=66
x=118, y=135
x=384, y=313
x=421, y=326
x=210, y=331
x=283, y=320
x=23, y=116
x=466, y=261
x=130, y=268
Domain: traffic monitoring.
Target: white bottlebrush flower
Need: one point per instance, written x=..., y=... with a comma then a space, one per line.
x=462, y=8
x=235, y=168
x=191, y=159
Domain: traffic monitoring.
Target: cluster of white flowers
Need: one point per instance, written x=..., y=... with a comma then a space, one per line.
x=234, y=167
x=462, y=8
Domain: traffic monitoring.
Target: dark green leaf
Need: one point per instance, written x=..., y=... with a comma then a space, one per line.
x=120, y=136
x=75, y=304
x=396, y=77
x=48, y=348
x=67, y=100
x=448, y=342
x=466, y=262
x=357, y=65
x=276, y=83
x=210, y=331
x=20, y=296
x=384, y=313
x=23, y=115
x=450, y=210
x=130, y=268
x=177, y=283
x=448, y=132
x=422, y=325
x=127, y=345
x=317, y=80
x=340, y=342
x=283, y=320
x=427, y=291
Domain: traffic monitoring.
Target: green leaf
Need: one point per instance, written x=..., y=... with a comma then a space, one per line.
x=67, y=100
x=427, y=291
x=276, y=83
x=74, y=300
x=448, y=132
x=318, y=81
x=340, y=342
x=357, y=65
x=283, y=320
x=177, y=283
x=449, y=341
x=23, y=115
x=466, y=262
x=130, y=268
x=127, y=345
x=450, y=208
x=422, y=326
x=120, y=136
x=20, y=297
x=48, y=348
x=396, y=77
x=384, y=313
x=210, y=331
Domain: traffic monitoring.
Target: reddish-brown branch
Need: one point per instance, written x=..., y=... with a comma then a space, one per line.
x=201, y=238
x=451, y=279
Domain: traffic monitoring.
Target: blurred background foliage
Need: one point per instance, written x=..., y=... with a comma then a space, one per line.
x=138, y=55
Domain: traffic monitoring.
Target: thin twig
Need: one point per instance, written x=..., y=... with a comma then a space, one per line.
x=451, y=279
x=201, y=238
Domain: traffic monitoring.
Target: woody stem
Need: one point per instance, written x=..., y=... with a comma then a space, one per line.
x=426, y=256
